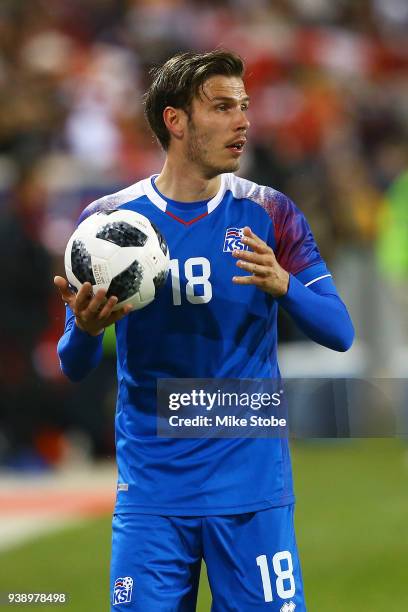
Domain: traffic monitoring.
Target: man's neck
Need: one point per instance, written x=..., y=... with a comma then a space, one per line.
x=177, y=183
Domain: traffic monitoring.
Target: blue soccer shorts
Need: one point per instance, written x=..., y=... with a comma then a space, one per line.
x=252, y=562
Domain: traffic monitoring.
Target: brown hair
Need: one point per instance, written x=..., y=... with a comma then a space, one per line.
x=178, y=81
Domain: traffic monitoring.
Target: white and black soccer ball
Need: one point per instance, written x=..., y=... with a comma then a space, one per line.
x=121, y=251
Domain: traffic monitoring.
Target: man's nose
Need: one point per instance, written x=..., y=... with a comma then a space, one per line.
x=242, y=121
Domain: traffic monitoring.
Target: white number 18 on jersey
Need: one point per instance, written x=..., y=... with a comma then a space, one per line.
x=193, y=279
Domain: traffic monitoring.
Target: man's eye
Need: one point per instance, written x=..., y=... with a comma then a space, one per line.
x=222, y=107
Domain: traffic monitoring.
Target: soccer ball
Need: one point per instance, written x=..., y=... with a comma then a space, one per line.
x=121, y=251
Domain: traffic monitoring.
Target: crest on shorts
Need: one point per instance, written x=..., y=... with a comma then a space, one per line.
x=122, y=590
x=288, y=607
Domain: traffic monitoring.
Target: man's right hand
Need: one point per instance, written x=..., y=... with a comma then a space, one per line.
x=92, y=312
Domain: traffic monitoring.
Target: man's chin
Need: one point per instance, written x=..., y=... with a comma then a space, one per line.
x=235, y=164
x=231, y=166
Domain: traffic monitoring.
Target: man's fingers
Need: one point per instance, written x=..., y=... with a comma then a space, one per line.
x=259, y=281
x=93, y=312
x=261, y=261
x=118, y=314
x=97, y=302
x=63, y=287
x=106, y=310
x=254, y=242
x=254, y=268
x=60, y=282
x=256, y=245
x=260, y=258
x=83, y=297
x=250, y=234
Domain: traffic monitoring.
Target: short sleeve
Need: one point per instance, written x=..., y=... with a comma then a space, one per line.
x=105, y=204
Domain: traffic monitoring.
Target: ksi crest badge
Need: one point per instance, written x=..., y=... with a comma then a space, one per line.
x=233, y=240
x=122, y=591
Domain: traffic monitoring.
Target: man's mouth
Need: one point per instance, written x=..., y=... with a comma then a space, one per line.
x=238, y=145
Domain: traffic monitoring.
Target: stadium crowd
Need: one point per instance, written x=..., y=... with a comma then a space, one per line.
x=328, y=81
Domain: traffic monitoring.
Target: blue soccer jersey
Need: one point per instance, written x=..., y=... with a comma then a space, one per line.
x=202, y=325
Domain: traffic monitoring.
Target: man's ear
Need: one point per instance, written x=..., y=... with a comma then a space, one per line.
x=175, y=120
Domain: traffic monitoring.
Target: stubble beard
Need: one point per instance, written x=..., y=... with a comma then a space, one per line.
x=199, y=154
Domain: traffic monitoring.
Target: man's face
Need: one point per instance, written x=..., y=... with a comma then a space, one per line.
x=216, y=131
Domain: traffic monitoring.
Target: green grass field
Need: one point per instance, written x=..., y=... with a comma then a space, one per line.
x=352, y=524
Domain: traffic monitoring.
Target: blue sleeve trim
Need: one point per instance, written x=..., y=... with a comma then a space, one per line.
x=319, y=278
x=323, y=317
x=311, y=272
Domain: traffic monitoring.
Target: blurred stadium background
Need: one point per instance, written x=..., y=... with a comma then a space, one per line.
x=329, y=87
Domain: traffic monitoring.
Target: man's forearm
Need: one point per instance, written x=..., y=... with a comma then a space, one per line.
x=78, y=351
x=322, y=317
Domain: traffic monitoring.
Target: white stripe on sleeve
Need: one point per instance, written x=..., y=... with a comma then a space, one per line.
x=317, y=279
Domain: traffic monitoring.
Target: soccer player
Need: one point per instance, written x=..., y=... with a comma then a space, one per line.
x=238, y=251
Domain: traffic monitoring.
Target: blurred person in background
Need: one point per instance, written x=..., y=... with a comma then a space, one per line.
x=182, y=500
x=24, y=263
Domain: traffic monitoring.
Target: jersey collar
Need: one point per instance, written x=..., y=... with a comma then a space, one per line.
x=161, y=203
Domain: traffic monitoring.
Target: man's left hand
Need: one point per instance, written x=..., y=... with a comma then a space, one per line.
x=266, y=273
